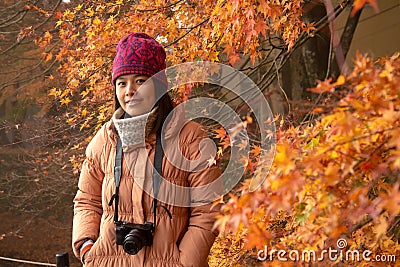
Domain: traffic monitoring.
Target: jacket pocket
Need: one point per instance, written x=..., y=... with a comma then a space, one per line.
x=90, y=255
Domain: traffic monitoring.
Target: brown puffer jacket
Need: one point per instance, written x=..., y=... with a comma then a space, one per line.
x=184, y=240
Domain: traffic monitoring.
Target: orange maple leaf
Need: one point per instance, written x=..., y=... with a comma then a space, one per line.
x=323, y=86
x=233, y=58
x=220, y=133
x=359, y=4
x=256, y=151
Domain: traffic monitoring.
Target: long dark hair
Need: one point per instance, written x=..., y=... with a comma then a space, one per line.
x=165, y=105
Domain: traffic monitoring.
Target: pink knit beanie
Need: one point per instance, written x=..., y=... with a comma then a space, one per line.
x=138, y=53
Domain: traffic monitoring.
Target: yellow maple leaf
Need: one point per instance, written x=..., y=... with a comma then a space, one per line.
x=54, y=92
x=65, y=101
x=96, y=21
x=49, y=57
x=340, y=80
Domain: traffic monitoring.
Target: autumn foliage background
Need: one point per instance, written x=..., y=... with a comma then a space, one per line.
x=336, y=168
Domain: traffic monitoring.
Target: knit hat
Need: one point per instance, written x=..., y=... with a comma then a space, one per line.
x=138, y=53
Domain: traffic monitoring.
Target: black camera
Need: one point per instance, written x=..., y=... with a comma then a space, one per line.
x=133, y=237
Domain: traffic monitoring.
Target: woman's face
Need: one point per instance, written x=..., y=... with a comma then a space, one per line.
x=134, y=95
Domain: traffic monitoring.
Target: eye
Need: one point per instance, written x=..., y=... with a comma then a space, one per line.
x=121, y=83
x=140, y=80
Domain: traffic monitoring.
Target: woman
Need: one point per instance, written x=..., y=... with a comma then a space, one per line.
x=173, y=234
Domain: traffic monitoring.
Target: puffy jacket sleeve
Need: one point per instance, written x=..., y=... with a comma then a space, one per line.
x=87, y=202
x=200, y=236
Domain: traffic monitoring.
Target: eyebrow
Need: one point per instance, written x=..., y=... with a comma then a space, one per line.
x=134, y=76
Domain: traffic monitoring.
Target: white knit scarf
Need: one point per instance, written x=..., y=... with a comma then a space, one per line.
x=132, y=130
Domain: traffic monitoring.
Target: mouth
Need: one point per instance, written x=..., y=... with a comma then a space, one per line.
x=133, y=102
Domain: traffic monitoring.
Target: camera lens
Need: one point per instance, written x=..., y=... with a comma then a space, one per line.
x=133, y=242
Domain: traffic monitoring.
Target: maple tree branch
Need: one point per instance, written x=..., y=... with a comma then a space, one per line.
x=361, y=224
x=270, y=75
x=51, y=132
x=12, y=6
x=359, y=137
x=34, y=191
x=28, y=68
x=267, y=78
x=320, y=25
x=394, y=228
x=265, y=81
x=368, y=218
x=38, y=26
x=281, y=89
x=9, y=20
x=271, y=43
x=264, y=61
x=187, y=32
x=333, y=14
x=160, y=8
x=17, y=81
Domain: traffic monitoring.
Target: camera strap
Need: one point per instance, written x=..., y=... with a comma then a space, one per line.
x=157, y=174
x=117, y=177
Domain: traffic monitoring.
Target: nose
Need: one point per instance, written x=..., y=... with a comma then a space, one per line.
x=130, y=89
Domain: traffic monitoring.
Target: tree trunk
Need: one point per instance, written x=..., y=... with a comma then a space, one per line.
x=309, y=62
